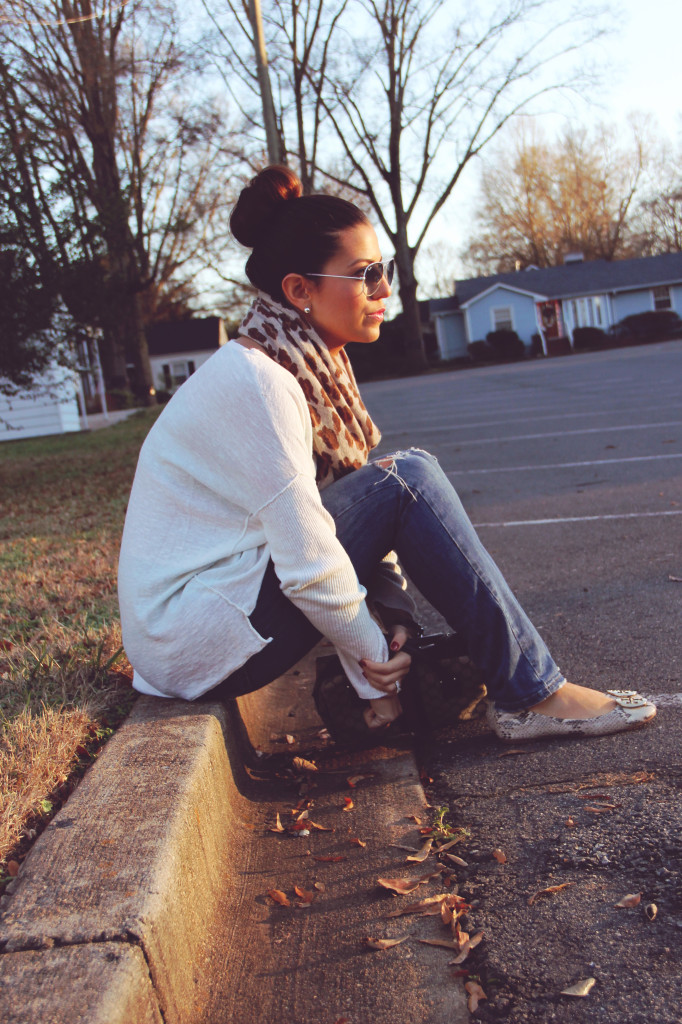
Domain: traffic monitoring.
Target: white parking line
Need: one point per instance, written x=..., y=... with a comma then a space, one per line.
x=581, y=519
x=563, y=465
x=539, y=437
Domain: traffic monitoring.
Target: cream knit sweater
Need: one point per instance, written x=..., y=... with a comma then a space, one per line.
x=226, y=481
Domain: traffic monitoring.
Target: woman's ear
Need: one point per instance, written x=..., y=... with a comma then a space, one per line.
x=297, y=291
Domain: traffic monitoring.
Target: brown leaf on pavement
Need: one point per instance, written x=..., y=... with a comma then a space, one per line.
x=651, y=910
x=457, y=860
x=451, y=843
x=500, y=856
x=353, y=780
x=347, y=803
x=420, y=857
x=570, y=822
x=601, y=809
x=580, y=988
x=466, y=949
x=630, y=900
x=383, y=943
x=290, y=739
x=329, y=860
x=421, y=906
x=403, y=886
x=300, y=762
x=550, y=890
x=320, y=828
x=414, y=818
x=279, y=897
x=445, y=943
x=475, y=993
x=357, y=842
x=13, y=868
x=320, y=886
x=278, y=826
x=508, y=753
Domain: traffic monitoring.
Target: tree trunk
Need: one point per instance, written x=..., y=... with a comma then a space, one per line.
x=415, y=355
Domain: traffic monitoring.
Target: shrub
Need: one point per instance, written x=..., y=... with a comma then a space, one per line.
x=481, y=352
x=589, y=338
x=536, y=348
x=652, y=325
x=506, y=344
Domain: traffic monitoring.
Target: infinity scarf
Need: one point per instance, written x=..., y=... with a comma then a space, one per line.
x=343, y=431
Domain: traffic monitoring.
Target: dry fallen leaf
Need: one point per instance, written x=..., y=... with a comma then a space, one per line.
x=353, y=780
x=580, y=988
x=403, y=886
x=457, y=860
x=279, y=897
x=631, y=900
x=420, y=857
x=467, y=947
x=508, y=753
x=320, y=828
x=300, y=762
x=304, y=894
x=320, y=886
x=601, y=809
x=384, y=943
x=329, y=860
x=569, y=822
x=476, y=994
x=651, y=910
x=290, y=739
x=414, y=818
x=500, y=856
x=357, y=842
x=278, y=826
x=549, y=891
x=447, y=846
x=445, y=943
x=13, y=868
x=421, y=907
x=347, y=803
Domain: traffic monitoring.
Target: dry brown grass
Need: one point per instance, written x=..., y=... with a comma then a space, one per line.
x=63, y=676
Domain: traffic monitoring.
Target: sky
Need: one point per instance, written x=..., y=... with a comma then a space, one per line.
x=644, y=54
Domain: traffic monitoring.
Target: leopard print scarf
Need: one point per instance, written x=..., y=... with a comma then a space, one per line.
x=343, y=431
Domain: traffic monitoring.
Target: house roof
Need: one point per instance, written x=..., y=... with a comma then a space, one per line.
x=572, y=279
x=200, y=335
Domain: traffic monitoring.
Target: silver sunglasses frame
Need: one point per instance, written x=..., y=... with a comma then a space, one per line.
x=384, y=264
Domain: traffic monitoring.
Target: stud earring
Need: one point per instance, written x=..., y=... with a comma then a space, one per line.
x=307, y=310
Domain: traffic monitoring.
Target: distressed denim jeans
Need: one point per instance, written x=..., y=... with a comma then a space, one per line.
x=405, y=503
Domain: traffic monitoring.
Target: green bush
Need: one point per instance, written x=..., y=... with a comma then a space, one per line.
x=506, y=344
x=589, y=338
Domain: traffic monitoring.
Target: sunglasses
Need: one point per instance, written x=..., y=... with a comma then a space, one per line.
x=371, y=276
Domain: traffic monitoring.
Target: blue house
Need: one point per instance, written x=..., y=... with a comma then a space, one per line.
x=554, y=301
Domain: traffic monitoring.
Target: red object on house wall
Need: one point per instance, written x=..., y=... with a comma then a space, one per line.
x=550, y=318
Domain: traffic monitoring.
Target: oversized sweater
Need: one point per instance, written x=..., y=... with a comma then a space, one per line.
x=225, y=482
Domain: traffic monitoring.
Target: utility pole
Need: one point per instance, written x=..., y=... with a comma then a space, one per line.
x=275, y=147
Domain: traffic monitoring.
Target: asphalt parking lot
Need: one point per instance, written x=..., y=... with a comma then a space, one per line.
x=571, y=469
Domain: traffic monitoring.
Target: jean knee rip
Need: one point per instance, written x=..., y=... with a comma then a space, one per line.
x=388, y=464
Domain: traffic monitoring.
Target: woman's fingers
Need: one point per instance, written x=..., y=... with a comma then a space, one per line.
x=385, y=674
x=382, y=711
x=398, y=637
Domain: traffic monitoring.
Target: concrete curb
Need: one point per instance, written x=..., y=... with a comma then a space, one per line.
x=145, y=898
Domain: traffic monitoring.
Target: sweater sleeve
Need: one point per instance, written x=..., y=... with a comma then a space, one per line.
x=278, y=478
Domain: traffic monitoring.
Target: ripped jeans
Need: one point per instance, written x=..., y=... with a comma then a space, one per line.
x=405, y=503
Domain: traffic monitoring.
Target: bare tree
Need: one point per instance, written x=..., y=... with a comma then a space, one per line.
x=118, y=173
x=659, y=215
x=542, y=198
x=427, y=97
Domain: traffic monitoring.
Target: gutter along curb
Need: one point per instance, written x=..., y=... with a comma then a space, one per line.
x=145, y=899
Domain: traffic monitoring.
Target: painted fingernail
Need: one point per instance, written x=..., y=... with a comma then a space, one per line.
x=395, y=646
x=363, y=663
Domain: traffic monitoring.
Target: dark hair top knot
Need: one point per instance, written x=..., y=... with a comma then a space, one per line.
x=288, y=232
x=258, y=203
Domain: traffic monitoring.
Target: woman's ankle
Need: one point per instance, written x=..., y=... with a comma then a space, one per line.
x=576, y=702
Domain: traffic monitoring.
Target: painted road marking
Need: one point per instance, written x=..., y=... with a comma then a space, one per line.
x=539, y=437
x=564, y=465
x=582, y=519
x=522, y=416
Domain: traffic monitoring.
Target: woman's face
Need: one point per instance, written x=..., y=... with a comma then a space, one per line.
x=340, y=309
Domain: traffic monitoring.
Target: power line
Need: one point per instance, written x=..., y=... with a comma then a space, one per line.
x=66, y=21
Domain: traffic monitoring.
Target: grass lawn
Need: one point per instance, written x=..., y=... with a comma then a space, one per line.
x=64, y=680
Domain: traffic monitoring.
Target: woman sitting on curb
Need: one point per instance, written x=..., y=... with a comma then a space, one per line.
x=256, y=523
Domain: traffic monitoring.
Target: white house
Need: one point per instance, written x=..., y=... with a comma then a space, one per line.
x=178, y=347
x=554, y=301
x=52, y=408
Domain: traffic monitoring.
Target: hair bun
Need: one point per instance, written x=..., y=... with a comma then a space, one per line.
x=259, y=200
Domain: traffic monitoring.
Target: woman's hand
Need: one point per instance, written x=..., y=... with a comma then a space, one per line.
x=384, y=675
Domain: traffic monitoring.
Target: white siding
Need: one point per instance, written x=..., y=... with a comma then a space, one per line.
x=39, y=414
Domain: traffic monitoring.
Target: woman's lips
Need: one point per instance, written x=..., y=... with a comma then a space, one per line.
x=377, y=315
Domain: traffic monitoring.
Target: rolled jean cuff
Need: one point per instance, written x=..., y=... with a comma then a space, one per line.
x=543, y=691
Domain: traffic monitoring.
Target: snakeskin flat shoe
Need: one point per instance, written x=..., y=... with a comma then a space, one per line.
x=631, y=711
